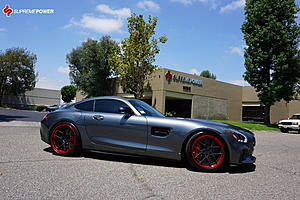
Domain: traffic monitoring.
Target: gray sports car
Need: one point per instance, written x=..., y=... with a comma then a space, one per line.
x=114, y=124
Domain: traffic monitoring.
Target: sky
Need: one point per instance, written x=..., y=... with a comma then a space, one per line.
x=202, y=34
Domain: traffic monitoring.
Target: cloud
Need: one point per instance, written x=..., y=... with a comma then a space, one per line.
x=194, y=71
x=103, y=24
x=67, y=26
x=47, y=83
x=236, y=50
x=213, y=3
x=232, y=6
x=63, y=70
x=84, y=33
x=148, y=6
x=121, y=13
x=185, y=2
x=2, y=29
x=239, y=82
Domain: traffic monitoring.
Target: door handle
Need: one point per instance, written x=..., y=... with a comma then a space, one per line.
x=97, y=117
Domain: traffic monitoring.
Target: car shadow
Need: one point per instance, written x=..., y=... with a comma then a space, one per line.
x=8, y=118
x=239, y=169
x=292, y=133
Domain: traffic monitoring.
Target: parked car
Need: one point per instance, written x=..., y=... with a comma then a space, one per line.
x=114, y=124
x=54, y=107
x=292, y=123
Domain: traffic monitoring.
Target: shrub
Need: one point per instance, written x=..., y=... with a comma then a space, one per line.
x=68, y=93
x=170, y=114
x=40, y=107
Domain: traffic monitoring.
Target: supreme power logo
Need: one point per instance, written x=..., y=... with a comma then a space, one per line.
x=7, y=10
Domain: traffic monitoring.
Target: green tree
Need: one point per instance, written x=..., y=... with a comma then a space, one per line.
x=17, y=73
x=207, y=74
x=68, y=93
x=89, y=67
x=133, y=64
x=272, y=38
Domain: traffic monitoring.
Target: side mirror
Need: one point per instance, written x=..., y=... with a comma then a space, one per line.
x=125, y=110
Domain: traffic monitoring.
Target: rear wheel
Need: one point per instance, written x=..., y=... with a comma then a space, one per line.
x=65, y=139
x=206, y=152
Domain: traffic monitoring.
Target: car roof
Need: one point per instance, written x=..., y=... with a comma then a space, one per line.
x=103, y=97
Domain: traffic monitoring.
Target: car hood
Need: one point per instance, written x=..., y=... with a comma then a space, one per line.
x=218, y=124
x=290, y=120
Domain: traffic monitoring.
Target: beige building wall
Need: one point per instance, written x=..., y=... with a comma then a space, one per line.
x=280, y=110
x=215, y=92
x=249, y=94
x=294, y=107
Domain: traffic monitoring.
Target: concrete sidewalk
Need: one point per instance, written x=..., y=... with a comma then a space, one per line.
x=20, y=124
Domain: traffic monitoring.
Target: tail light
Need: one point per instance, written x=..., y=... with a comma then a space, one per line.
x=46, y=117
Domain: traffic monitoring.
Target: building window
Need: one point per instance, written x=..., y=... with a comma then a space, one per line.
x=186, y=89
x=253, y=113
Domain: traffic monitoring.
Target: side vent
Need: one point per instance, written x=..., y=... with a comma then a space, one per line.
x=160, y=131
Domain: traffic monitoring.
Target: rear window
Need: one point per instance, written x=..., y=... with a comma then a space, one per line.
x=86, y=106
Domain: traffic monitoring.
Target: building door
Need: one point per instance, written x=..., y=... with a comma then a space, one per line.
x=178, y=107
x=253, y=113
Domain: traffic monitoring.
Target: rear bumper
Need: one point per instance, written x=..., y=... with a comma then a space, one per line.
x=44, y=132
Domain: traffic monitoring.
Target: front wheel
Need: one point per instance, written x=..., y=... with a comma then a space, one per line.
x=283, y=130
x=206, y=152
x=65, y=139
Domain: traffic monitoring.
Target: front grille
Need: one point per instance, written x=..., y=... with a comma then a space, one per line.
x=286, y=123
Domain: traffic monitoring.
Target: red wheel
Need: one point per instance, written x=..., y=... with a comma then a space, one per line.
x=65, y=139
x=206, y=152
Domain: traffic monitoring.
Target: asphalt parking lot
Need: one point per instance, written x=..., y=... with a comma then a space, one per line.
x=9, y=115
x=30, y=170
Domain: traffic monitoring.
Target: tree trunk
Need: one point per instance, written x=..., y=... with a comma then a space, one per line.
x=267, y=115
x=1, y=96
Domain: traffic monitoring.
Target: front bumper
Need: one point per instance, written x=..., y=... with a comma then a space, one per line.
x=289, y=127
x=242, y=153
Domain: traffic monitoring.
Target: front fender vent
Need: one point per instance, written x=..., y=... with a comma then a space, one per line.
x=160, y=131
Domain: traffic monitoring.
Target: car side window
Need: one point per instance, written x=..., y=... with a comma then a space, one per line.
x=108, y=106
x=86, y=106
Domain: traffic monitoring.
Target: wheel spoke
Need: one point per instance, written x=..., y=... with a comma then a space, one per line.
x=205, y=157
x=58, y=137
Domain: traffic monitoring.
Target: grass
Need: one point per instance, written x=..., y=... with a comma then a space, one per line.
x=252, y=125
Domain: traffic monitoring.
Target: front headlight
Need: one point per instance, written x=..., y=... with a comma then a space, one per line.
x=238, y=136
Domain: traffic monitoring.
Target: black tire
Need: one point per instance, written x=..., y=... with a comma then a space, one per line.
x=209, y=156
x=283, y=130
x=65, y=139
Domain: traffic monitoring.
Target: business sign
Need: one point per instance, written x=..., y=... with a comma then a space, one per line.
x=7, y=10
x=183, y=79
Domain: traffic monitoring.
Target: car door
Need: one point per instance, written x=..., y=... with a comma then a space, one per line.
x=115, y=131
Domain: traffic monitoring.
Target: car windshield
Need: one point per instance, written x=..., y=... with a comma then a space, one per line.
x=295, y=117
x=145, y=109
